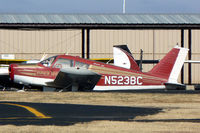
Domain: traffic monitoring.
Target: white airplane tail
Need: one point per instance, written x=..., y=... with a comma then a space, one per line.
x=123, y=58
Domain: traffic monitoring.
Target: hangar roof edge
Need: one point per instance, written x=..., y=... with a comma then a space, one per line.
x=99, y=18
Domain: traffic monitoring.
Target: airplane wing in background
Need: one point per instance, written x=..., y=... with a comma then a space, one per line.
x=76, y=79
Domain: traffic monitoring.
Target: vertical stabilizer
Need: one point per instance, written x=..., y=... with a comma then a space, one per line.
x=170, y=66
x=123, y=58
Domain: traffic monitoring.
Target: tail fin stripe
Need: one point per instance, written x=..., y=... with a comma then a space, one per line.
x=170, y=66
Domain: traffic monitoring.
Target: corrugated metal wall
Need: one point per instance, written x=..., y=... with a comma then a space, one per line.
x=196, y=56
x=31, y=44
x=154, y=43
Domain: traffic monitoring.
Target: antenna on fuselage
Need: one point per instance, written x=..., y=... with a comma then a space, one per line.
x=109, y=61
x=141, y=58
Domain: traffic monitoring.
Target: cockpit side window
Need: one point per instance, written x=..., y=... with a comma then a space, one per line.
x=81, y=65
x=63, y=63
x=48, y=61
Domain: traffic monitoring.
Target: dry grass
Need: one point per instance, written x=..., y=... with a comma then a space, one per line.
x=107, y=127
x=175, y=106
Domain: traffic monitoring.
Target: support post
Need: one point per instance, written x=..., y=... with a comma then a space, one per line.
x=190, y=56
x=88, y=43
x=83, y=43
x=182, y=45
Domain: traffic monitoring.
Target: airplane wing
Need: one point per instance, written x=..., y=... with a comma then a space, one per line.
x=78, y=78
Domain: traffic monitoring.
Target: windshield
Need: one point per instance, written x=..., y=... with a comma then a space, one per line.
x=48, y=61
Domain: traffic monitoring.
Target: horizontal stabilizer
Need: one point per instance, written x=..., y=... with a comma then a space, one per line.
x=173, y=86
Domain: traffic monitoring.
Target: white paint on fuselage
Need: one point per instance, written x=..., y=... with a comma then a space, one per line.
x=4, y=71
x=143, y=87
x=42, y=82
x=31, y=80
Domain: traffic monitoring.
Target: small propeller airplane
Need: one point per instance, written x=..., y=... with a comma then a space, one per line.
x=78, y=74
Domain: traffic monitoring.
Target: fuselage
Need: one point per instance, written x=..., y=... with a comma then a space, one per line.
x=112, y=77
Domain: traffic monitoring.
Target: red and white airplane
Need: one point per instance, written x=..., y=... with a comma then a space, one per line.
x=75, y=73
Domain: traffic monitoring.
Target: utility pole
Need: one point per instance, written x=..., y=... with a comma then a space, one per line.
x=124, y=6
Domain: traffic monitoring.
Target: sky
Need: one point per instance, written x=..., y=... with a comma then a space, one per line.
x=99, y=6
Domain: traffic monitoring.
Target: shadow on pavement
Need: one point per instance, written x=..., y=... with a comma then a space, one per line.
x=69, y=114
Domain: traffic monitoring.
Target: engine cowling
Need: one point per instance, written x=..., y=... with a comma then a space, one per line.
x=11, y=71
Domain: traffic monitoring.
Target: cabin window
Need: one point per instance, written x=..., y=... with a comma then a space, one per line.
x=63, y=63
x=81, y=65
